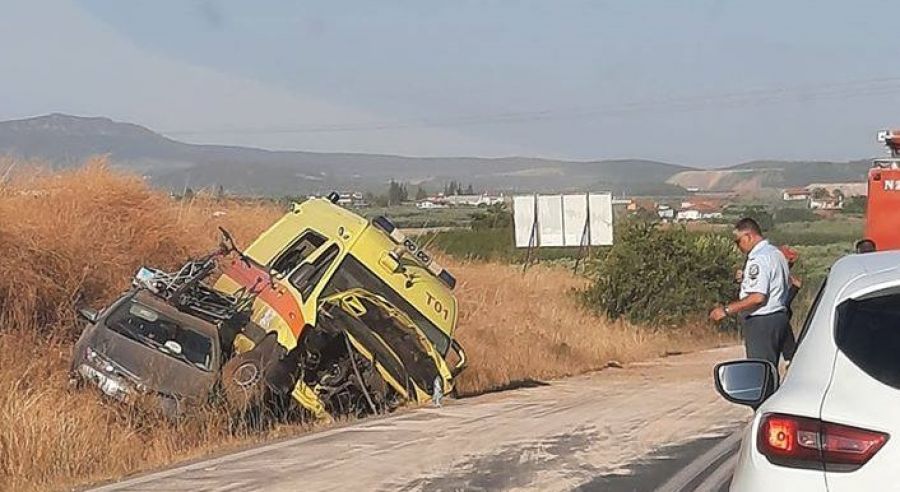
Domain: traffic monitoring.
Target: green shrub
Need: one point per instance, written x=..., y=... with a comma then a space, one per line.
x=494, y=244
x=660, y=276
x=759, y=213
x=480, y=244
x=844, y=231
x=494, y=217
x=783, y=215
x=855, y=205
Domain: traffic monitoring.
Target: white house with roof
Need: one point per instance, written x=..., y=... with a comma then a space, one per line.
x=795, y=194
x=665, y=212
x=472, y=200
x=829, y=203
x=698, y=211
x=846, y=189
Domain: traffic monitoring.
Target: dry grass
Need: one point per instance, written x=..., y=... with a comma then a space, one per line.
x=53, y=437
x=74, y=236
x=519, y=327
x=82, y=234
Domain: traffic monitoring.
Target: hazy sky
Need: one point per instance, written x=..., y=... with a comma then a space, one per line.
x=702, y=83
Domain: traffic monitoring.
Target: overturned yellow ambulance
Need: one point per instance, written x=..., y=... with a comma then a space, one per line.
x=351, y=316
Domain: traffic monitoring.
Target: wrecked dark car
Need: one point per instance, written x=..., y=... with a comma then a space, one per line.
x=166, y=338
x=141, y=345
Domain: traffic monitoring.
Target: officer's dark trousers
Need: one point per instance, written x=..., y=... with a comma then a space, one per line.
x=766, y=335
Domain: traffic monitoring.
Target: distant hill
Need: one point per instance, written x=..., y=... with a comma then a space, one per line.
x=801, y=173
x=755, y=175
x=63, y=141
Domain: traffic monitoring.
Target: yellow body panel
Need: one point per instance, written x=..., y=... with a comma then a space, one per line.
x=417, y=285
x=329, y=220
x=305, y=396
x=347, y=300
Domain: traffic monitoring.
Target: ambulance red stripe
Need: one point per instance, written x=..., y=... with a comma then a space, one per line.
x=283, y=303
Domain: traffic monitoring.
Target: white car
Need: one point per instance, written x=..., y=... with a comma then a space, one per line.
x=834, y=422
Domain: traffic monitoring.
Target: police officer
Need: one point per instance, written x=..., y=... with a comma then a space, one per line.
x=763, y=296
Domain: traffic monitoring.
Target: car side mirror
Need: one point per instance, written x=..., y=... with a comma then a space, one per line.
x=88, y=314
x=747, y=382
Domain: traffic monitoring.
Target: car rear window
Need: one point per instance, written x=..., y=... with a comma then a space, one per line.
x=868, y=333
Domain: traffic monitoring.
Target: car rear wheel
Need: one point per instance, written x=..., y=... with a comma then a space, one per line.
x=244, y=382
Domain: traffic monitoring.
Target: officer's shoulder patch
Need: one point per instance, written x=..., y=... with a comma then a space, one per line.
x=753, y=271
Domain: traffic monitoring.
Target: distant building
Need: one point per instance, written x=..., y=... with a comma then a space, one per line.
x=795, y=194
x=639, y=204
x=353, y=199
x=847, y=189
x=665, y=212
x=826, y=203
x=688, y=214
x=428, y=204
x=471, y=200
x=698, y=211
x=347, y=199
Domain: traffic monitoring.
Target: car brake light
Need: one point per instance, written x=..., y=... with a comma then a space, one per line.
x=802, y=442
x=851, y=445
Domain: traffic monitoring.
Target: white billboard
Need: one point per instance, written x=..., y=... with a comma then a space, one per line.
x=563, y=220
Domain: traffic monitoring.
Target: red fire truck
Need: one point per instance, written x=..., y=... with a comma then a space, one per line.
x=883, y=209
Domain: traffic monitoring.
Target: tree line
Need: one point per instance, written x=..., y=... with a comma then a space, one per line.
x=399, y=192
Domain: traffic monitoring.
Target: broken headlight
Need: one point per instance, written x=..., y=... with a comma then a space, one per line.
x=102, y=372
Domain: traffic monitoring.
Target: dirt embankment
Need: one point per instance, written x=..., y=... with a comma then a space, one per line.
x=78, y=236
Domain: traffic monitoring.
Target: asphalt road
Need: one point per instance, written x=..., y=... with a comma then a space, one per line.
x=703, y=465
x=651, y=426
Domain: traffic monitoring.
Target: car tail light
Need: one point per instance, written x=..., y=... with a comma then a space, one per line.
x=801, y=442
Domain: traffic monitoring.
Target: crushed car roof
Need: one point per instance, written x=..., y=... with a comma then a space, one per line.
x=199, y=324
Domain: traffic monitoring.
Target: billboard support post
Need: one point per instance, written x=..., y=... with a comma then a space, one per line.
x=533, y=239
x=585, y=242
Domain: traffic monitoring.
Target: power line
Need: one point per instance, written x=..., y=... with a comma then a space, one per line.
x=758, y=97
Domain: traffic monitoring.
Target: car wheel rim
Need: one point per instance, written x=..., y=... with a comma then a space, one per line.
x=246, y=375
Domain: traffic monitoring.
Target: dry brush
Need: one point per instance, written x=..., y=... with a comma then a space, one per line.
x=78, y=236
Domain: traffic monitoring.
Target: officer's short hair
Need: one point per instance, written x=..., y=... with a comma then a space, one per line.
x=747, y=224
